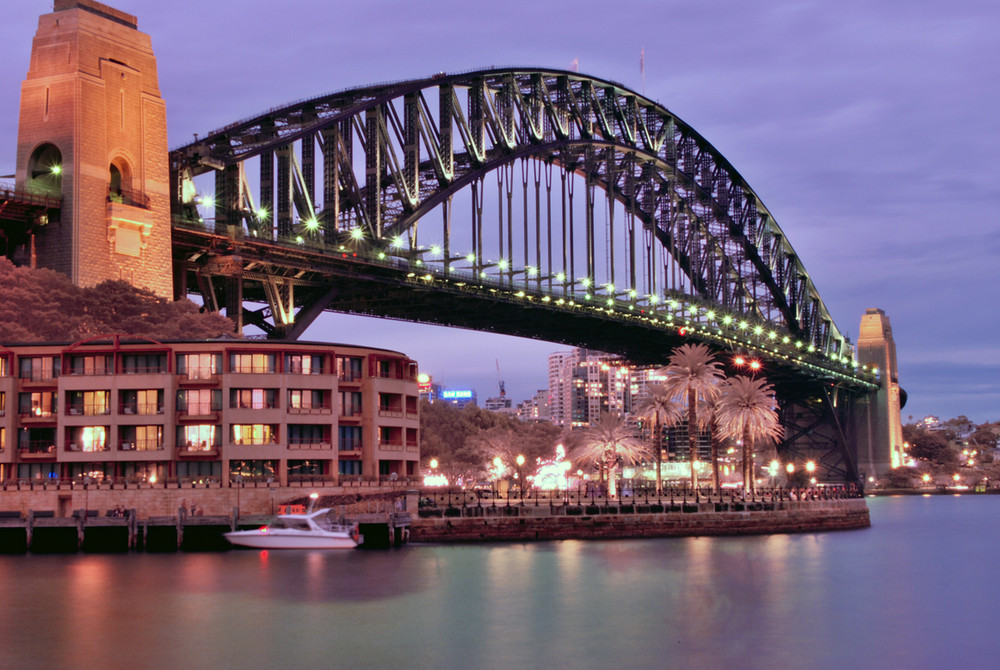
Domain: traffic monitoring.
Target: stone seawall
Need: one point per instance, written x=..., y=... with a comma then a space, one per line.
x=791, y=517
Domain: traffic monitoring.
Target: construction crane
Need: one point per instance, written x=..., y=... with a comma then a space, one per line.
x=503, y=393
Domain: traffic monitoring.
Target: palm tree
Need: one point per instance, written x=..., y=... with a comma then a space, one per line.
x=608, y=441
x=694, y=374
x=658, y=407
x=747, y=410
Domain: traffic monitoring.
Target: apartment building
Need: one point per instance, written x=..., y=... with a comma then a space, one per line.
x=221, y=410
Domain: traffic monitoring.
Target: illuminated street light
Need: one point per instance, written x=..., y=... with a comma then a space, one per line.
x=811, y=466
x=790, y=468
x=520, y=475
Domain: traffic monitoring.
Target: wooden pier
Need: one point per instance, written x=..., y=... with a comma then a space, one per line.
x=41, y=532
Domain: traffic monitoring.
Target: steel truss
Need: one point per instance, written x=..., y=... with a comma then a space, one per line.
x=582, y=203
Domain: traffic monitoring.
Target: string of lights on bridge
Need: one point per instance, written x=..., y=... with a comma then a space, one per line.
x=677, y=312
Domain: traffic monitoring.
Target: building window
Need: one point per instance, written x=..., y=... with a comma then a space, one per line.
x=350, y=403
x=141, y=438
x=303, y=364
x=349, y=438
x=143, y=402
x=3, y=404
x=199, y=402
x=198, y=438
x=88, y=438
x=252, y=363
x=349, y=368
x=88, y=403
x=38, y=368
x=36, y=440
x=349, y=467
x=3, y=438
x=199, y=366
x=38, y=404
x=261, y=471
x=310, y=468
x=255, y=433
x=141, y=364
x=91, y=365
x=306, y=399
x=307, y=434
x=253, y=398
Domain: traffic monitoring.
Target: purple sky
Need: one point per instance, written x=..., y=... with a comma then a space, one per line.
x=868, y=128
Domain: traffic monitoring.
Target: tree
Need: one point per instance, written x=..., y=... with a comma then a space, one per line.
x=606, y=443
x=932, y=447
x=694, y=374
x=50, y=308
x=747, y=410
x=657, y=406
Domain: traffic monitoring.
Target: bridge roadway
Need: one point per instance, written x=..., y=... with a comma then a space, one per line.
x=359, y=279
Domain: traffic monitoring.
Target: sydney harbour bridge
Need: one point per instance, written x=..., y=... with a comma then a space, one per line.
x=533, y=202
x=539, y=203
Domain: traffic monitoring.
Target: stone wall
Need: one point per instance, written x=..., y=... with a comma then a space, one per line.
x=790, y=517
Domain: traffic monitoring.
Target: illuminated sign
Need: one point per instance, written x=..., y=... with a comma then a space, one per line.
x=457, y=394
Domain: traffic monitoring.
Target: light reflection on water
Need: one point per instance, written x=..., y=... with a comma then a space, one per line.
x=915, y=591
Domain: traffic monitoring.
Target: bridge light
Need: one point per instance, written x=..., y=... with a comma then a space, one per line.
x=742, y=325
x=710, y=314
x=470, y=257
x=739, y=360
x=786, y=339
x=519, y=294
x=772, y=335
x=610, y=287
x=262, y=214
x=381, y=255
x=313, y=224
x=207, y=201
x=758, y=329
x=483, y=274
x=56, y=169
x=693, y=310
x=585, y=282
x=502, y=264
x=812, y=348
x=435, y=250
x=357, y=233
x=727, y=320
x=653, y=300
x=546, y=299
x=299, y=239
x=532, y=271
x=674, y=304
x=755, y=365
x=561, y=276
x=397, y=242
x=610, y=302
x=632, y=293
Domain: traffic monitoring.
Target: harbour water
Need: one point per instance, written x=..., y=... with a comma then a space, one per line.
x=917, y=590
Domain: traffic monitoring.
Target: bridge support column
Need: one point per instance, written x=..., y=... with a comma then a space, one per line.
x=878, y=425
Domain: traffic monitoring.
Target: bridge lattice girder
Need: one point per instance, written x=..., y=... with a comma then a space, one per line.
x=392, y=153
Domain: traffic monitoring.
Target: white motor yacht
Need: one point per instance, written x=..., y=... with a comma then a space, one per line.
x=312, y=530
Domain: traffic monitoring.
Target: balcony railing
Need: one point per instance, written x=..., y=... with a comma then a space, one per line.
x=350, y=410
x=127, y=196
x=310, y=443
x=349, y=375
x=88, y=409
x=307, y=408
x=37, y=448
x=349, y=445
x=395, y=413
x=141, y=445
x=76, y=446
x=141, y=409
x=38, y=375
x=256, y=441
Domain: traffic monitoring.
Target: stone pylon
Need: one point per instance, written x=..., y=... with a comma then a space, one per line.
x=93, y=132
x=878, y=426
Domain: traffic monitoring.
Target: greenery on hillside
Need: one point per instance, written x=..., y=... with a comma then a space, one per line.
x=44, y=306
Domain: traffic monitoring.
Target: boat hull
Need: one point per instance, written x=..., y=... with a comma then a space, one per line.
x=257, y=539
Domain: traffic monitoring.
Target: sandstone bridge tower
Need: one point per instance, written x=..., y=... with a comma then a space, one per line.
x=878, y=423
x=93, y=132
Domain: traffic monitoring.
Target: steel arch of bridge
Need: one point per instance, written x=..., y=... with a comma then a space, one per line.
x=699, y=251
